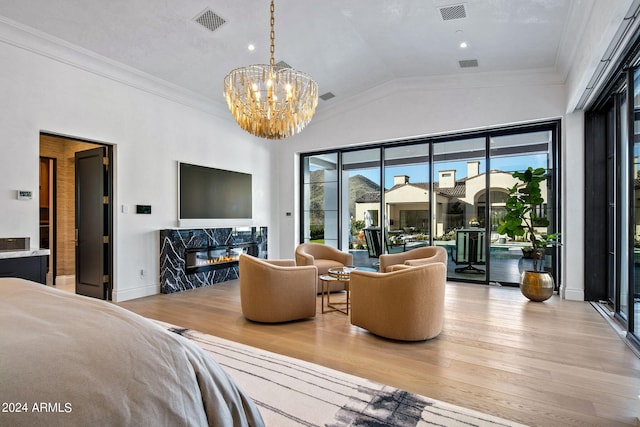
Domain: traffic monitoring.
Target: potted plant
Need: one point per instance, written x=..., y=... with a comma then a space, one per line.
x=523, y=217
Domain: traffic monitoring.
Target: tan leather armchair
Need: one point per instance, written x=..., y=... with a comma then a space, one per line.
x=276, y=290
x=323, y=257
x=414, y=257
x=405, y=305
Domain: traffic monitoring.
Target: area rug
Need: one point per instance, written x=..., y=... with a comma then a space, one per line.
x=292, y=392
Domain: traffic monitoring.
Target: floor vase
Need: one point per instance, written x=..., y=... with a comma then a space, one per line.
x=537, y=285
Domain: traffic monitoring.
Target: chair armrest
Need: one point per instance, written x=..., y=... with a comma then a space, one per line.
x=282, y=262
x=387, y=260
x=397, y=267
x=421, y=261
x=303, y=258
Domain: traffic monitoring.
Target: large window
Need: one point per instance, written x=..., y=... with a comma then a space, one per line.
x=407, y=205
x=448, y=191
x=360, y=201
x=460, y=185
x=508, y=154
x=320, y=188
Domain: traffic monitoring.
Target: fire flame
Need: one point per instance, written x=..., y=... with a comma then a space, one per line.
x=223, y=258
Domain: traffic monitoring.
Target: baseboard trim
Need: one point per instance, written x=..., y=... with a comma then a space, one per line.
x=573, y=294
x=129, y=294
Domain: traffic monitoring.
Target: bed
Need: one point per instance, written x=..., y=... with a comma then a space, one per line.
x=75, y=361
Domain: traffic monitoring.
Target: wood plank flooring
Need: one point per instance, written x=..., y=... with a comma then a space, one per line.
x=557, y=363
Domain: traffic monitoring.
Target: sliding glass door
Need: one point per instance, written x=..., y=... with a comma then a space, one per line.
x=447, y=191
x=460, y=181
x=320, y=196
x=508, y=154
x=407, y=208
x=623, y=205
x=633, y=192
x=361, y=205
x=612, y=150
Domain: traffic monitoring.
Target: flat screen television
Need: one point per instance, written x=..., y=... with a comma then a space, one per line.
x=209, y=193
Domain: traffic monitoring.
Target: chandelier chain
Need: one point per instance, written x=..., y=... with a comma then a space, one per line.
x=272, y=34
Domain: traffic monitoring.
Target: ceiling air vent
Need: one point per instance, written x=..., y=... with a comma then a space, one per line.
x=209, y=20
x=468, y=63
x=327, y=96
x=449, y=13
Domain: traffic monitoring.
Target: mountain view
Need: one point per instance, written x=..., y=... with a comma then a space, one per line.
x=358, y=185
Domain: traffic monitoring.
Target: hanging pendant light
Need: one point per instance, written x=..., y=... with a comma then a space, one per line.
x=271, y=101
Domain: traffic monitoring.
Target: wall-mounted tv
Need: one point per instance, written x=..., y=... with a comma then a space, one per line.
x=209, y=193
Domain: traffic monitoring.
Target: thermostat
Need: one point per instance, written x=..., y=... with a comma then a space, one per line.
x=25, y=195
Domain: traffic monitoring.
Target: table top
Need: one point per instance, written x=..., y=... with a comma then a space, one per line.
x=341, y=273
x=328, y=278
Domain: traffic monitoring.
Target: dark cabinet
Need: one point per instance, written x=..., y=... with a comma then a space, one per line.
x=31, y=268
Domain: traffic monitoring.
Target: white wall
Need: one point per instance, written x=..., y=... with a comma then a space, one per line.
x=150, y=133
x=573, y=207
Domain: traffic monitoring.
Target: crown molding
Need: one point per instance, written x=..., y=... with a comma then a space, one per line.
x=40, y=43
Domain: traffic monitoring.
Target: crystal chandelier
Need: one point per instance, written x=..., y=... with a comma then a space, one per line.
x=271, y=101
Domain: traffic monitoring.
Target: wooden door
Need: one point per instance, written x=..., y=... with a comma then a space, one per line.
x=93, y=208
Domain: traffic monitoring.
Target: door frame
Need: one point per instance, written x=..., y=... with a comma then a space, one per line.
x=109, y=250
x=53, y=215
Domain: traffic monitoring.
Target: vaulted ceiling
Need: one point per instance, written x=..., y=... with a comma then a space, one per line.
x=347, y=46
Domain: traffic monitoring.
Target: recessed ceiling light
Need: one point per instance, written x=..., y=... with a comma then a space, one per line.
x=251, y=47
x=463, y=45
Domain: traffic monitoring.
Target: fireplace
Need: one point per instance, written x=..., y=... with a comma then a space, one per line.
x=192, y=258
x=217, y=257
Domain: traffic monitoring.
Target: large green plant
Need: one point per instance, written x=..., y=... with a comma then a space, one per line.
x=522, y=218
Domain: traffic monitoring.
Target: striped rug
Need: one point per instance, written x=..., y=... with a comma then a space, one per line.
x=292, y=392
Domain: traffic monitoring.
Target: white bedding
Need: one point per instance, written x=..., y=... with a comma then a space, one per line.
x=68, y=360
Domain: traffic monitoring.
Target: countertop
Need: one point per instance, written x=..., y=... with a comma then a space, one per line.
x=12, y=253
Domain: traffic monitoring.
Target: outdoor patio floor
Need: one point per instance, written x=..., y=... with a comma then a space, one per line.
x=506, y=267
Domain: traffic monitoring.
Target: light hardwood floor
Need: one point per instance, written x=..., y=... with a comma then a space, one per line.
x=557, y=363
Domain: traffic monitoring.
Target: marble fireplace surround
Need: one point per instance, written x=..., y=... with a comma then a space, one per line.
x=177, y=244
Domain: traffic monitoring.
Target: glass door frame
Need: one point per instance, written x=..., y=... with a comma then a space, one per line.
x=554, y=126
x=630, y=197
x=612, y=122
